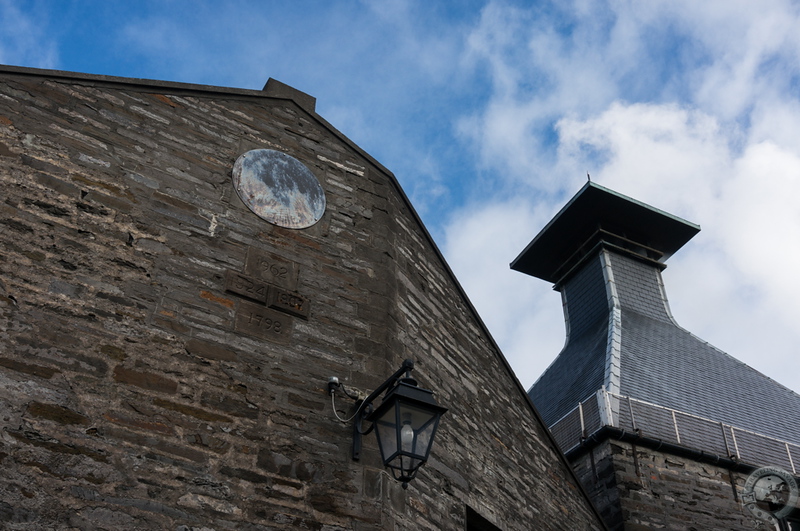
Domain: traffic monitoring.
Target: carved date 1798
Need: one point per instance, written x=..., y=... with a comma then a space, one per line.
x=259, y=321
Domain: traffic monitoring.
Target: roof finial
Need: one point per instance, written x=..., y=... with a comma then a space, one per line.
x=588, y=177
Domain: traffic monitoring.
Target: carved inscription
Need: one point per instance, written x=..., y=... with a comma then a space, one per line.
x=246, y=286
x=260, y=321
x=272, y=269
x=289, y=302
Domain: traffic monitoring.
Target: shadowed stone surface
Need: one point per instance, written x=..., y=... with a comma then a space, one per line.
x=138, y=390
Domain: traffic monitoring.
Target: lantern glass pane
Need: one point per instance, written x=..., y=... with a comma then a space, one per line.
x=418, y=425
x=406, y=464
x=387, y=434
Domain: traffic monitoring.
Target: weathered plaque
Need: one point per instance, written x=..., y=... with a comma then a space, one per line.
x=278, y=188
x=272, y=269
x=289, y=302
x=259, y=321
x=246, y=286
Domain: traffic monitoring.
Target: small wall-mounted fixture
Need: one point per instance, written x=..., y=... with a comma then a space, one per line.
x=405, y=422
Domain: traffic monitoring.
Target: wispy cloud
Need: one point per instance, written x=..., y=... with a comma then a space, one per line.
x=23, y=40
x=691, y=107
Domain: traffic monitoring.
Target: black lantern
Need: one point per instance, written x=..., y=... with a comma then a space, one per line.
x=405, y=422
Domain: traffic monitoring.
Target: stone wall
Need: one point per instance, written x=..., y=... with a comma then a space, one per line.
x=149, y=379
x=637, y=488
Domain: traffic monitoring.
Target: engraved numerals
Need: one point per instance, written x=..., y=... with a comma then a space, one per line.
x=258, y=319
x=289, y=302
x=262, y=322
x=271, y=269
x=246, y=287
x=272, y=281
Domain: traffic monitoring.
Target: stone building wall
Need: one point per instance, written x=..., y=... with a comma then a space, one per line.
x=145, y=382
x=657, y=490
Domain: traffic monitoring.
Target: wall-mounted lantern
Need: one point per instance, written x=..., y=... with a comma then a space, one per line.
x=405, y=422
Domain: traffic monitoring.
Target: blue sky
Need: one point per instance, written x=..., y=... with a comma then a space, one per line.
x=490, y=114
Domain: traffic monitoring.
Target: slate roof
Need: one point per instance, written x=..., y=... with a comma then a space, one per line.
x=579, y=370
x=618, y=316
x=662, y=363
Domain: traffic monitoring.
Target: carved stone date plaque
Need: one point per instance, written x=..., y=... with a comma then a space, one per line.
x=271, y=268
x=259, y=321
x=289, y=302
x=246, y=286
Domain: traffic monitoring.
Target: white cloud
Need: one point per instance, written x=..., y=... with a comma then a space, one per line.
x=522, y=313
x=747, y=257
x=761, y=224
x=712, y=138
x=23, y=41
x=674, y=157
x=754, y=46
x=736, y=285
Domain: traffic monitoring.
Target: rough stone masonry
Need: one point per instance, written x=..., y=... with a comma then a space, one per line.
x=164, y=352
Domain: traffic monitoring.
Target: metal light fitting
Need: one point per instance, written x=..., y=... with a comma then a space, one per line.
x=405, y=422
